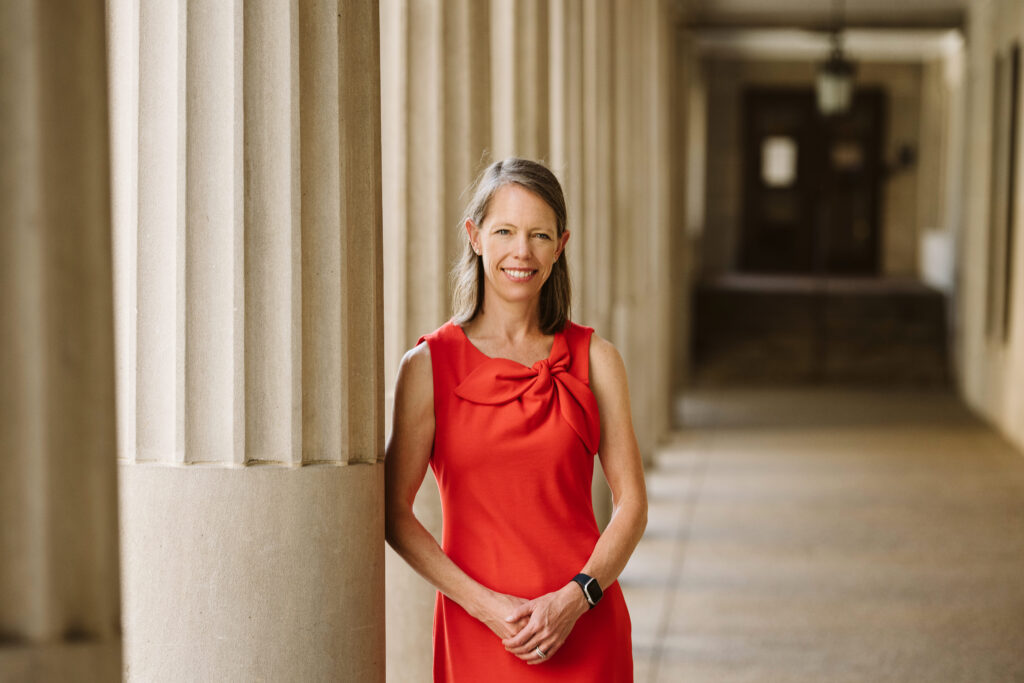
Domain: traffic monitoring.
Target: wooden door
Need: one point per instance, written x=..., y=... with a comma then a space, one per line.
x=811, y=184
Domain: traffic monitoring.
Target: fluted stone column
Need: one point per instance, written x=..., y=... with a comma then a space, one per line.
x=642, y=186
x=435, y=108
x=664, y=160
x=632, y=216
x=59, y=594
x=595, y=279
x=248, y=242
x=566, y=124
x=520, y=72
x=568, y=161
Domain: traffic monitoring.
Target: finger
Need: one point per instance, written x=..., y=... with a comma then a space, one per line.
x=536, y=658
x=511, y=630
x=520, y=612
x=530, y=645
x=520, y=639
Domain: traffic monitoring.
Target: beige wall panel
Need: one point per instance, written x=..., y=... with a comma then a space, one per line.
x=160, y=238
x=1000, y=365
x=972, y=302
x=935, y=103
x=273, y=250
x=984, y=363
x=899, y=224
x=59, y=592
x=1013, y=415
x=214, y=297
x=296, y=597
x=992, y=371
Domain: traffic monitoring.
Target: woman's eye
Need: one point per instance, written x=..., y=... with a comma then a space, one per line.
x=503, y=231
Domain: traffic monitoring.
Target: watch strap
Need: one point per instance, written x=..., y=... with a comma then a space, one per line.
x=591, y=589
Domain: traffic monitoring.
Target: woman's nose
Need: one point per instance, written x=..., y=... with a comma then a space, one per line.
x=523, y=245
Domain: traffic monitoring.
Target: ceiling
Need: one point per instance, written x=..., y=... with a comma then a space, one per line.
x=887, y=45
x=820, y=14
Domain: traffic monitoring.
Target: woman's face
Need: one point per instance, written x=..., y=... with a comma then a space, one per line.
x=518, y=242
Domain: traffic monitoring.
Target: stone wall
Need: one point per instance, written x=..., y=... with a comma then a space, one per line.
x=991, y=353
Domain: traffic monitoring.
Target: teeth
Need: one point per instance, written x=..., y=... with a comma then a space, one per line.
x=519, y=274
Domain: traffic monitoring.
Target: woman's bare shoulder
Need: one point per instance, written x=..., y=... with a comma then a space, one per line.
x=604, y=357
x=415, y=366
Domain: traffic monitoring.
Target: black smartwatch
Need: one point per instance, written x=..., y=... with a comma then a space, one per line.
x=591, y=589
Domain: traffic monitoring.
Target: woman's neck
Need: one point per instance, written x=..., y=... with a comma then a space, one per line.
x=507, y=320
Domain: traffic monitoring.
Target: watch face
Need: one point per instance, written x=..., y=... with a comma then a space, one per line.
x=591, y=588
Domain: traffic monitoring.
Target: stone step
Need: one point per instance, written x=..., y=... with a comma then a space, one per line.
x=791, y=330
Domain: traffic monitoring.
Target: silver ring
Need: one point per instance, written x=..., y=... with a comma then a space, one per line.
x=540, y=652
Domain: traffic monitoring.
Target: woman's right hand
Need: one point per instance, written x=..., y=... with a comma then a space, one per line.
x=495, y=611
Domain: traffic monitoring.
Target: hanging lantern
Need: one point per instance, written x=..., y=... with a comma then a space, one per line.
x=835, y=82
x=835, y=77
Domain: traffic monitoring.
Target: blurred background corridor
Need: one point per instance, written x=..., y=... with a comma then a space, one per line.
x=830, y=534
x=224, y=223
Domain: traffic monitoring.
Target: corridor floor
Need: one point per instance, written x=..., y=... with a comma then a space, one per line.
x=830, y=536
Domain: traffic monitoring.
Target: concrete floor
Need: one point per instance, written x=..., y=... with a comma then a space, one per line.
x=830, y=535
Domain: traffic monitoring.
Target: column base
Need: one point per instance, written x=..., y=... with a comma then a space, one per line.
x=254, y=573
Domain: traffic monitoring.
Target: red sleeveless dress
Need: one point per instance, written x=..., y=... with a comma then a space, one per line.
x=514, y=457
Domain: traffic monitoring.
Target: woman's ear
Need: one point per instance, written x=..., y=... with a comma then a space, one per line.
x=474, y=235
x=562, y=241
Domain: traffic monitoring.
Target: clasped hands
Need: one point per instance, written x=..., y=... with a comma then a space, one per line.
x=544, y=622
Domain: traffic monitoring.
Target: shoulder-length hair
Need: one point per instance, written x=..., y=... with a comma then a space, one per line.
x=468, y=272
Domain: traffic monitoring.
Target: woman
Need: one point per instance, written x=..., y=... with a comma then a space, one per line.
x=508, y=403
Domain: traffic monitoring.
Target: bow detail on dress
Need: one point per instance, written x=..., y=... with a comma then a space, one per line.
x=547, y=385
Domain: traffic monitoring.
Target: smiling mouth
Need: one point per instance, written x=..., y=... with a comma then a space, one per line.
x=518, y=274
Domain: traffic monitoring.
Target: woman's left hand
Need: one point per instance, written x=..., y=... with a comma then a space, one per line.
x=551, y=619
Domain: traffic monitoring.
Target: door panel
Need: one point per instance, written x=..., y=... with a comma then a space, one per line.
x=811, y=184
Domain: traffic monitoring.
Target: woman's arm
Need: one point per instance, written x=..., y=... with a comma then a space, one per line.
x=405, y=465
x=552, y=616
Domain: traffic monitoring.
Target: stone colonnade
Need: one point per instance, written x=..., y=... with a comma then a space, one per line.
x=246, y=170
x=59, y=598
x=588, y=88
x=243, y=286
